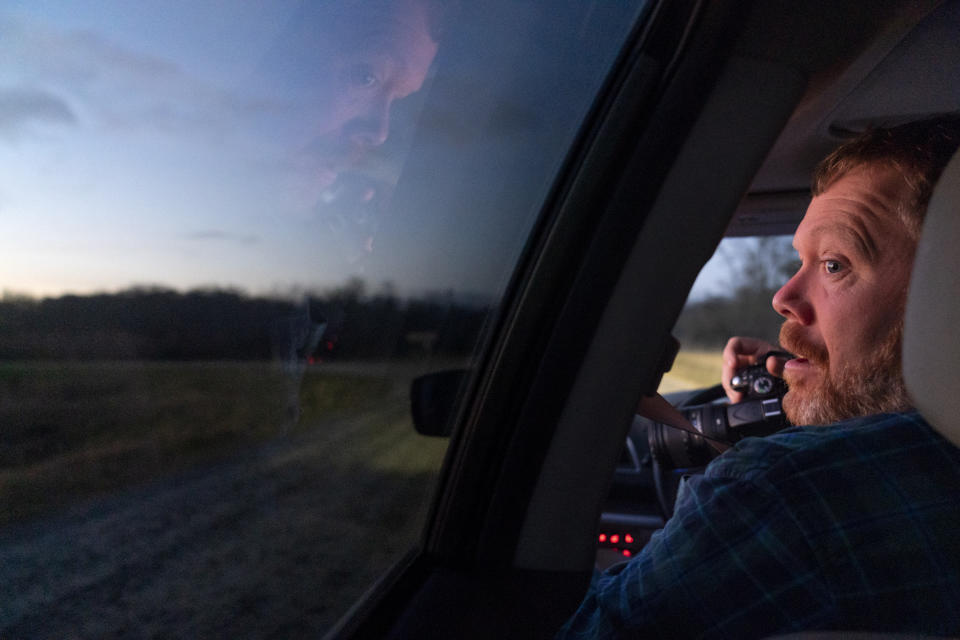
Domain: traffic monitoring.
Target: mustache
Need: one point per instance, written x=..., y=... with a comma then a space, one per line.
x=794, y=340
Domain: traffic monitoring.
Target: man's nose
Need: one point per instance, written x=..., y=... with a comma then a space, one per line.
x=372, y=126
x=791, y=300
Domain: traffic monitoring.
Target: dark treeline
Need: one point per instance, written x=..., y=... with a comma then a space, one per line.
x=164, y=324
x=211, y=324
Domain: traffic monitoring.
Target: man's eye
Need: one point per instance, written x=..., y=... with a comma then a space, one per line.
x=832, y=266
x=362, y=76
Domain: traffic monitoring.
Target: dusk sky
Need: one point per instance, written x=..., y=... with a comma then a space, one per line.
x=163, y=146
x=149, y=150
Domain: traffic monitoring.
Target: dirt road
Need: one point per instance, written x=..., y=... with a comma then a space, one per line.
x=275, y=542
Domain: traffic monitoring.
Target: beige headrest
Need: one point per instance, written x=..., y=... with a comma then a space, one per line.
x=931, y=344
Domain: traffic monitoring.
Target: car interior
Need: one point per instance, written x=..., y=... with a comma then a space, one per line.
x=774, y=203
x=746, y=103
x=370, y=318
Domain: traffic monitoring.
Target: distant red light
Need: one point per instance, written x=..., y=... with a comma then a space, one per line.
x=603, y=537
x=329, y=345
x=614, y=538
x=628, y=539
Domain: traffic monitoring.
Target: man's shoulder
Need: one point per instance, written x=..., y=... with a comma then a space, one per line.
x=859, y=441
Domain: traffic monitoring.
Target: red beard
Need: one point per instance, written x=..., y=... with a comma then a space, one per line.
x=872, y=385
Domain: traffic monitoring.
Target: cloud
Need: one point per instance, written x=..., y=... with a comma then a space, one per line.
x=20, y=107
x=218, y=235
x=114, y=86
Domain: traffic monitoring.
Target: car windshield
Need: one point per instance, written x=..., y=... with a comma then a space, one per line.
x=232, y=235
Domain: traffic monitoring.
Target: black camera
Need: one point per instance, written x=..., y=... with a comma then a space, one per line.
x=757, y=382
x=760, y=414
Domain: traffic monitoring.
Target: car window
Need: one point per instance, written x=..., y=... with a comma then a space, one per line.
x=232, y=236
x=731, y=297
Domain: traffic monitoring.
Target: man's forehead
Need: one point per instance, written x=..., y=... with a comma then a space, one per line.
x=397, y=31
x=383, y=22
x=861, y=207
x=850, y=231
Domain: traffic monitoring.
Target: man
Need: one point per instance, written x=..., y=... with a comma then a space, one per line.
x=375, y=53
x=366, y=55
x=856, y=245
x=846, y=526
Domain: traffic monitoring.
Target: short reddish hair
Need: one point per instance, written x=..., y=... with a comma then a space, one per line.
x=918, y=151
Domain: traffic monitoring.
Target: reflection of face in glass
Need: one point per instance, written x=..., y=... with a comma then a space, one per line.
x=366, y=54
x=381, y=53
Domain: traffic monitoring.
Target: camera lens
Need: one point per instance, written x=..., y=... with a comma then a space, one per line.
x=676, y=448
x=762, y=386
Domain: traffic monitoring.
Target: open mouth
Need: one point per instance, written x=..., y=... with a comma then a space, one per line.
x=799, y=369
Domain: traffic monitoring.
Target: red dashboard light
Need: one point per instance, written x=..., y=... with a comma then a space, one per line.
x=626, y=552
x=614, y=538
x=603, y=537
x=628, y=539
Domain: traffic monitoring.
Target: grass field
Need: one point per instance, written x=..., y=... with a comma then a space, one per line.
x=251, y=498
x=693, y=370
x=256, y=502
x=72, y=430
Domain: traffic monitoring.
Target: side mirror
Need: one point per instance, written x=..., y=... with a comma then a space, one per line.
x=433, y=401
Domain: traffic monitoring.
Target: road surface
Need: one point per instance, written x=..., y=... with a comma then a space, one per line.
x=275, y=542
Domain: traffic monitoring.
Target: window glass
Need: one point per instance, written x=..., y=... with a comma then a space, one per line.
x=731, y=297
x=232, y=235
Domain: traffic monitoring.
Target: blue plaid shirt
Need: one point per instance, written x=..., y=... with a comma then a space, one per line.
x=854, y=526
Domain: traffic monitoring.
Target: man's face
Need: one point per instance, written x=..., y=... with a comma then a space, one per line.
x=363, y=55
x=844, y=307
x=378, y=52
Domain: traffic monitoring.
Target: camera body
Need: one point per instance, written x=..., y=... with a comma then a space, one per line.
x=759, y=414
x=757, y=383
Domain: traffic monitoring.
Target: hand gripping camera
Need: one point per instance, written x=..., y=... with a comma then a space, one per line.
x=759, y=414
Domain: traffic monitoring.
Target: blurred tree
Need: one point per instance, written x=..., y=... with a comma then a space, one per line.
x=757, y=269
x=156, y=323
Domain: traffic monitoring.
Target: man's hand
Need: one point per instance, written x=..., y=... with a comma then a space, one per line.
x=743, y=352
